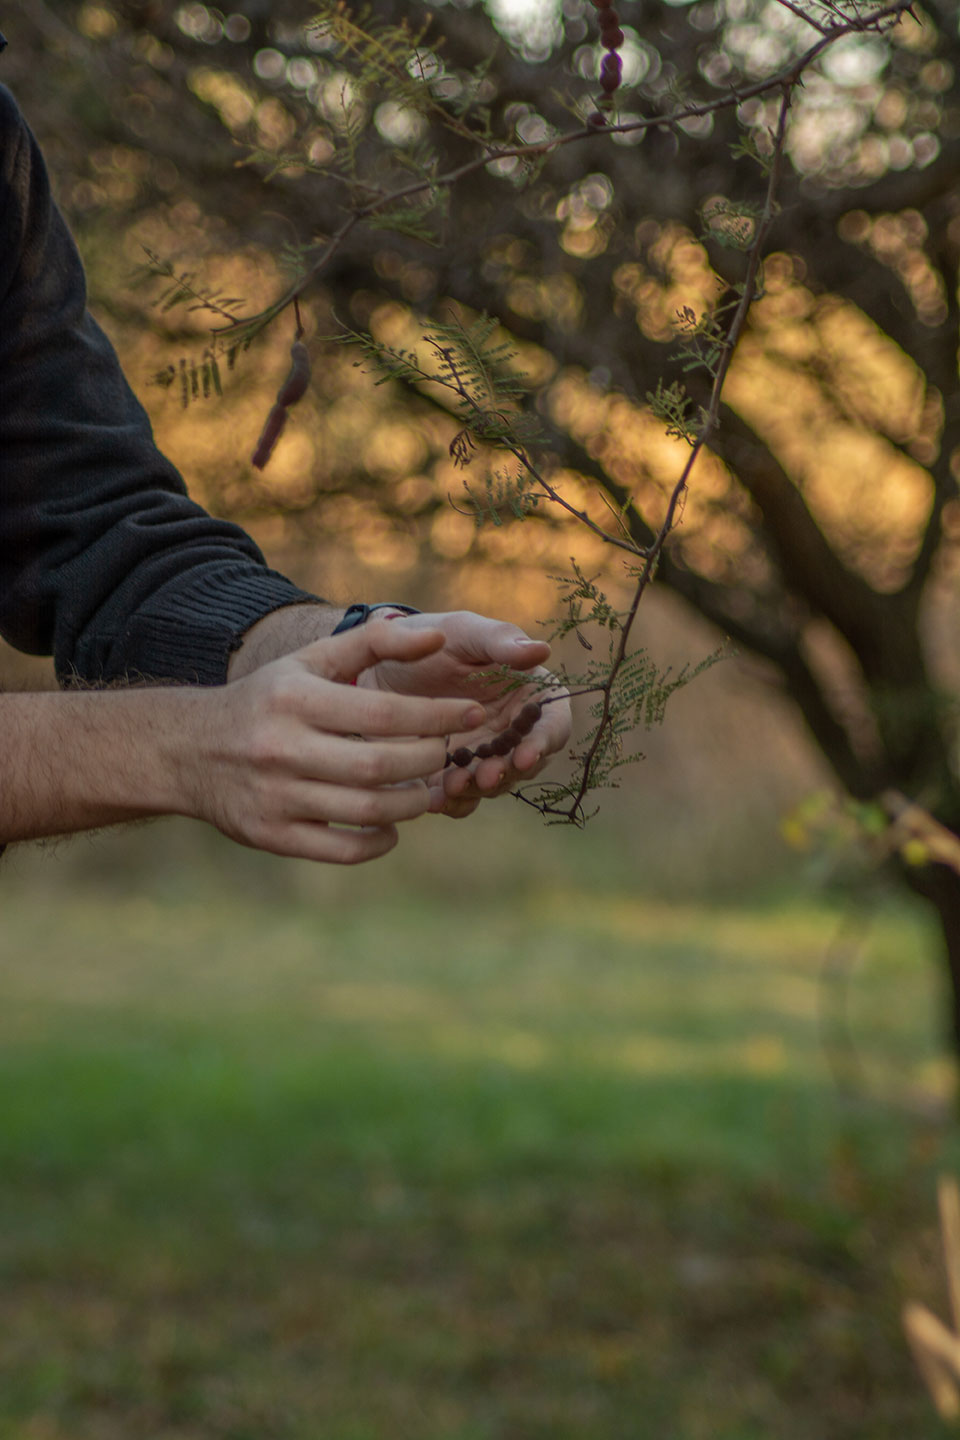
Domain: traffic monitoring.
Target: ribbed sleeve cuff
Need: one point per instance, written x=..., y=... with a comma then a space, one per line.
x=189, y=630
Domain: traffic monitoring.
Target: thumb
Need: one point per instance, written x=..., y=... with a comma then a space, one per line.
x=509, y=645
x=343, y=657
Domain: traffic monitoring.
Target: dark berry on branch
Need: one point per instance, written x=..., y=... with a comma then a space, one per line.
x=462, y=757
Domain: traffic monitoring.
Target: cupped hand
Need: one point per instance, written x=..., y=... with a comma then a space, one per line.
x=296, y=759
x=474, y=648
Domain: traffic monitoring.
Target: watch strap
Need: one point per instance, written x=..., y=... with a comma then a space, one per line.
x=359, y=614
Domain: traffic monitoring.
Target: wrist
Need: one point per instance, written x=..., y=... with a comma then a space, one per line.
x=280, y=633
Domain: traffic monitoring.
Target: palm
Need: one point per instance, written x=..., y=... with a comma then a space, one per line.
x=477, y=653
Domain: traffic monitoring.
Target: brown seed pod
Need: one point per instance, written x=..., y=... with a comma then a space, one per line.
x=295, y=386
x=611, y=66
x=269, y=436
x=484, y=751
x=461, y=757
x=528, y=716
x=512, y=736
x=292, y=390
x=500, y=744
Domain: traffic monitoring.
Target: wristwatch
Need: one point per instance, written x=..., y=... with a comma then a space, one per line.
x=359, y=614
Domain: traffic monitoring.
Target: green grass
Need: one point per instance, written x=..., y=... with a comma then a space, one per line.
x=539, y=1162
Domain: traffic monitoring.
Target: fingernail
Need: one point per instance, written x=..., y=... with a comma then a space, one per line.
x=473, y=717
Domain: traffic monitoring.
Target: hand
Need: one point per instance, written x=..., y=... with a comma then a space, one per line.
x=277, y=761
x=473, y=646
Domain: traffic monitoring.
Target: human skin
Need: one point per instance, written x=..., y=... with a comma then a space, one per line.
x=473, y=647
x=274, y=759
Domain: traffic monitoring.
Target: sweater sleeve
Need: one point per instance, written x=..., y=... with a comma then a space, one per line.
x=105, y=563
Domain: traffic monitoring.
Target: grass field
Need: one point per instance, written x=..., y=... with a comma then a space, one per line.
x=317, y=1158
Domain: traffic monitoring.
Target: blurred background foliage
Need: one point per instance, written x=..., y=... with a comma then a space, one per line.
x=525, y=1132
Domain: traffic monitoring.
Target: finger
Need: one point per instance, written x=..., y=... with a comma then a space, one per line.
x=492, y=776
x=374, y=763
x=343, y=657
x=480, y=640
x=477, y=640
x=488, y=778
x=441, y=804
x=333, y=845
x=349, y=710
x=341, y=805
x=512, y=647
x=550, y=734
x=507, y=644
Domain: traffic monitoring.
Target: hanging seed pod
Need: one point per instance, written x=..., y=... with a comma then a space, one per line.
x=461, y=757
x=293, y=389
x=295, y=386
x=610, y=72
x=611, y=67
x=269, y=436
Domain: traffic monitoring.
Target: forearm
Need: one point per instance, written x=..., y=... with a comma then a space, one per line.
x=273, y=760
x=78, y=761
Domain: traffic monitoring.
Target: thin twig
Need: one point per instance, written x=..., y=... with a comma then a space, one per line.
x=575, y=809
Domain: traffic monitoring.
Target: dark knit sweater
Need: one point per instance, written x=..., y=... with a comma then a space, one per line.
x=104, y=561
